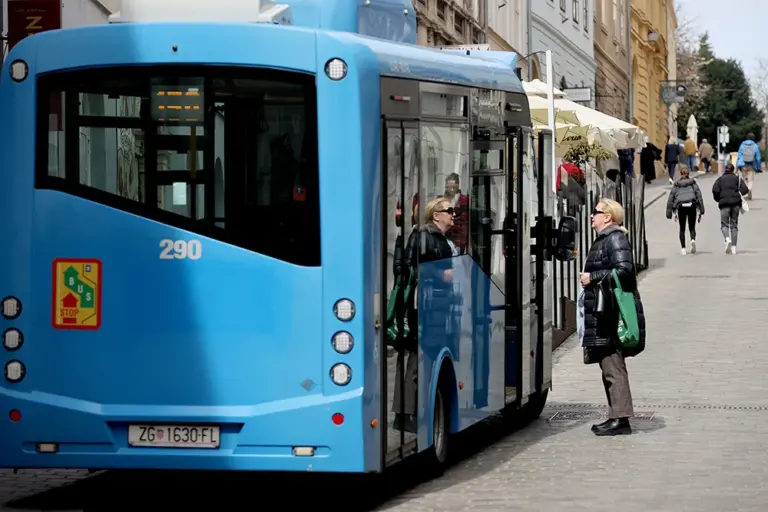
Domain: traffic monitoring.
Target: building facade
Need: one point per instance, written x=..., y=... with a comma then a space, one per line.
x=612, y=47
x=508, y=30
x=567, y=28
x=652, y=23
x=672, y=62
x=451, y=22
x=74, y=13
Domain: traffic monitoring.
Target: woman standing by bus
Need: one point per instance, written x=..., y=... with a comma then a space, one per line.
x=610, y=251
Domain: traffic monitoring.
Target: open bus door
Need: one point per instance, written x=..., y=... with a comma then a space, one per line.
x=530, y=242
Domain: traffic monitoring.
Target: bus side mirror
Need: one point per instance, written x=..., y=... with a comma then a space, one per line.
x=565, y=239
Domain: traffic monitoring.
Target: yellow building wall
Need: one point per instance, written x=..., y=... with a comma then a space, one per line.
x=650, y=40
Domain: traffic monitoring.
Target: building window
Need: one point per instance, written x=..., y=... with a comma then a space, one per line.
x=622, y=23
x=575, y=11
x=441, y=7
x=586, y=15
x=562, y=5
x=458, y=23
x=616, y=29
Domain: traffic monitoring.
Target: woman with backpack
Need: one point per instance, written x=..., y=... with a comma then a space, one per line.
x=685, y=202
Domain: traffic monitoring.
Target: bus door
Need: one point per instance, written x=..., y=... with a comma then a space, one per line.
x=544, y=303
x=512, y=240
x=527, y=316
x=400, y=219
x=492, y=244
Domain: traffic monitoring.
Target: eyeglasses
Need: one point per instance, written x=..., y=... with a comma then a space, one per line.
x=450, y=210
x=597, y=212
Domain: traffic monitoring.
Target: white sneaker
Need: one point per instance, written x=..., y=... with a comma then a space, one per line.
x=671, y=182
x=733, y=249
x=728, y=245
x=693, y=246
x=682, y=252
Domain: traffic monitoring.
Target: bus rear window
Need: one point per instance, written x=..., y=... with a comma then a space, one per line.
x=229, y=153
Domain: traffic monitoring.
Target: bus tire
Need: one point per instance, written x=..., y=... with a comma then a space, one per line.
x=518, y=418
x=439, y=452
x=440, y=427
x=535, y=406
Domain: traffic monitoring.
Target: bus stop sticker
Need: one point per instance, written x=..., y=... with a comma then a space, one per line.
x=76, y=293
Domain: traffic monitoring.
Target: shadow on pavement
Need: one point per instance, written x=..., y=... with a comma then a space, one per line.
x=476, y=451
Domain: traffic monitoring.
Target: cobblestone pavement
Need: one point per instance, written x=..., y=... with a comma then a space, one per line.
x=700, y=397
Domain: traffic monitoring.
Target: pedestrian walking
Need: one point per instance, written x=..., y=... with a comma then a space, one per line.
x=705, y=155
x=728, y=192
x=672, y=157
x=689, y=150
x=600, y=315
x=748, y=162
x=686, y=204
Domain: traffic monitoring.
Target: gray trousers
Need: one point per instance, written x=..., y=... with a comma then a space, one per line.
x=729, y=223
x=616, y=383
x=409, y=382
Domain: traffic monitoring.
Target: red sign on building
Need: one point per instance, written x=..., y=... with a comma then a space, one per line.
x=28, y=17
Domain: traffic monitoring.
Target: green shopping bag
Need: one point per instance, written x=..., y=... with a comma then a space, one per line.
x=629, y=327
x=402, y=286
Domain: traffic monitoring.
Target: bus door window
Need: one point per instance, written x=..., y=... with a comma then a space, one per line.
x=489, y=206
x=444, y=238
x=445, y=173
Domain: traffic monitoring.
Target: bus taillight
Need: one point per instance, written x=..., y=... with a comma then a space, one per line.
x=13, y=339
x=11, y=308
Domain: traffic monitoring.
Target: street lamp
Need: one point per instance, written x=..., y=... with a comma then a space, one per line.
x=530, y=69
x=550, y=106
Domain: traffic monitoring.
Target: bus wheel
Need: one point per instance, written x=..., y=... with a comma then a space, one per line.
x=535, y=406
x=440, y=429
x=518, y=418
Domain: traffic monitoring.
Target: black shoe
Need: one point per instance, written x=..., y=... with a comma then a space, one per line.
x=406, y=422
x=410, y=424
x=399, y=421
x=614, y=427
x=598, y=426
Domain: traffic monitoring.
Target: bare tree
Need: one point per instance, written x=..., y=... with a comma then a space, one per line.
x=690, y=64
x=759, y=85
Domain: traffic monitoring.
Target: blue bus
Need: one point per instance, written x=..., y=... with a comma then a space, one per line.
x=299, y=244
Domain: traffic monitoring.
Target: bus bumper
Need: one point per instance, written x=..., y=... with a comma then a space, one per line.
x=252, y=438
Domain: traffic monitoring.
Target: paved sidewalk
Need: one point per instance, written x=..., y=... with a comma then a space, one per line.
x=700, y=389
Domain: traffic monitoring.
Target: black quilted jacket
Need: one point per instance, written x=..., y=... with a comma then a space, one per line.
x=611, y=250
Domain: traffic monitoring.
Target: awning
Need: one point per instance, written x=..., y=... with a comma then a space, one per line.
x=540, y=110
x=612, y=133
x=625, y=134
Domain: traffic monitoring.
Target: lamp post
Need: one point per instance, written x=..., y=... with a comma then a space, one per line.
x=550, y=106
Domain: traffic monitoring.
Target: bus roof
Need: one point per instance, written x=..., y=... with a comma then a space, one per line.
x=107, y=46
x=486, y=70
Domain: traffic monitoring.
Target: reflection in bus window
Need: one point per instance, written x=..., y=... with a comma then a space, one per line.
x=488, y=212
x=445, y=170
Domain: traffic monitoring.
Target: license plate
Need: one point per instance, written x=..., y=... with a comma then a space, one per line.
x=173, y=436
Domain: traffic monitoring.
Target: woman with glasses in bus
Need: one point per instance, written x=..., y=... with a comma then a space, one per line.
x=431, y=247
